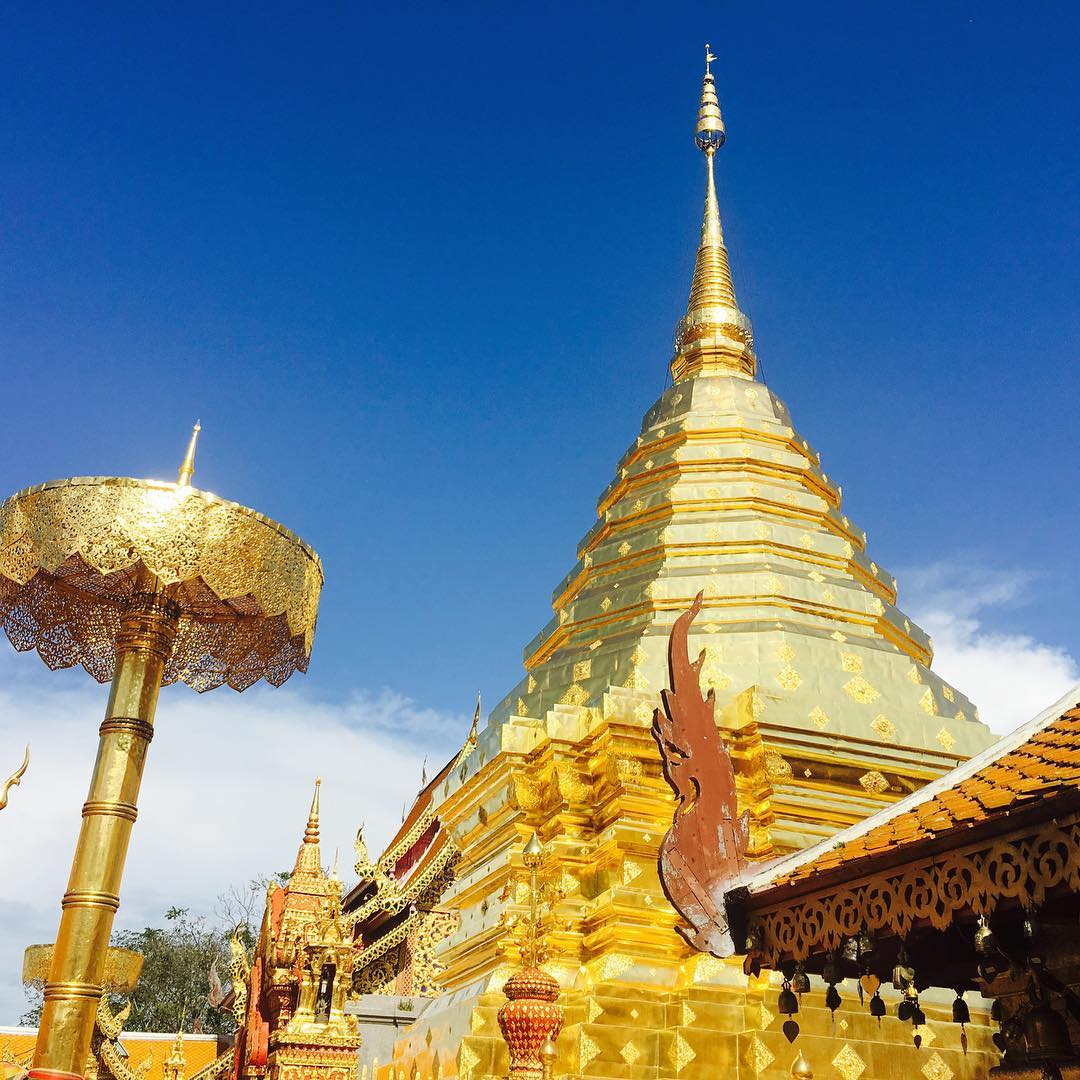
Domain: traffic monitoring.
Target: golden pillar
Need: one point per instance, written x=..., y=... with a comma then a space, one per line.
x=147, y=632
x=142, y=583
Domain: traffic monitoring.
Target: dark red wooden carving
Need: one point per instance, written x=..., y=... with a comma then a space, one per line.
x=705, y=848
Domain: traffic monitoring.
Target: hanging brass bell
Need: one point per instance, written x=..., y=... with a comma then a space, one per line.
x=1046, y=1035
x=961, y=1014
x=984, y=938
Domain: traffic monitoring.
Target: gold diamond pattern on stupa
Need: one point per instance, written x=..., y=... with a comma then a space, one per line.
x=582, y=670
x=630, y=1053
x=848, y=1064
x=630, y=871
x=575, y=695
x=883, y=726
x=767, y=1018
x=758, y=1056
x=927, y=703
x=613, y=965
x=686, y=1015
x=681, y=1053
x=851, y=662
x=818, y=717
x=936, y=1069
x=947, y=740
x=468, y=1059
x=874, y=782
x=588, y=1049
x=926, y=1033
x=595, y=1011
x=789, y=678
x=858, y=689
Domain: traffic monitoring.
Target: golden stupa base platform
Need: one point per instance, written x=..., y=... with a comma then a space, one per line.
x=617, y=1031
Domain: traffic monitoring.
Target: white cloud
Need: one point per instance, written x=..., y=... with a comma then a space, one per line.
x=1010, y=676
x=225, y=795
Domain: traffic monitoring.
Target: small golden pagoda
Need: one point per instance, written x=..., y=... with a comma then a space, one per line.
x=823, y=688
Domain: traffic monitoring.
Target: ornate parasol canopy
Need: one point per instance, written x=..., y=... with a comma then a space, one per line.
x=122, y=967
x=72, y=553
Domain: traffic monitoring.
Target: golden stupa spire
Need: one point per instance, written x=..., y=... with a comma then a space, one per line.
x=714, y=336
x=187, y=468
x=309, y=858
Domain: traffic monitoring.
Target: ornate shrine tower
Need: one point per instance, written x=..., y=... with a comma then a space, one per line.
x=290, y=1005
x=823, y=689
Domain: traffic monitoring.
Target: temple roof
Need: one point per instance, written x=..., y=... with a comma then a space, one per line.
x=1032, y=765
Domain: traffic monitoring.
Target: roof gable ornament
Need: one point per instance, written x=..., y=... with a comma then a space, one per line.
x=705, y=848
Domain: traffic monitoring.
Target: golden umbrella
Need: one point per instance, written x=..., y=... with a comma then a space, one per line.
x=142, y=583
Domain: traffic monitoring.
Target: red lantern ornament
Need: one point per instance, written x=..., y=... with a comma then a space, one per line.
x=528, y=1019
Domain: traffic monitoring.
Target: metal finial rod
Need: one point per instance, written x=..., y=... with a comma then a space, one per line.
x=533, y=856
x=709, y=58
x=187, y=469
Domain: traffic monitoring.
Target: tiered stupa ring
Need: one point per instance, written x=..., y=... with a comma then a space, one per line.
x=74, y=552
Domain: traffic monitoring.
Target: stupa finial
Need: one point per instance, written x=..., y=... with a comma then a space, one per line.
x=714, y=336
x=311, y=833
x=309, y=857
x=187, y=468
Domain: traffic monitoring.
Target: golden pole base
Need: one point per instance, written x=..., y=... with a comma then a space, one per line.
x=74, y=986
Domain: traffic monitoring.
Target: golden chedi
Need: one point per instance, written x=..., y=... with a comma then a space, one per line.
x=823, y=687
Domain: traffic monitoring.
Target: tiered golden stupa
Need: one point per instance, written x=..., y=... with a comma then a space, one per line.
x=823, y=689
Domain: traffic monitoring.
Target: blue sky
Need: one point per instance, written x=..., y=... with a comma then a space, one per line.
x=417, y=271
x=416, y=267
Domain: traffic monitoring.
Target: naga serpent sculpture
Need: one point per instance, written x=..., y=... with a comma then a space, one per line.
x=705, y=848
x=14, y=779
